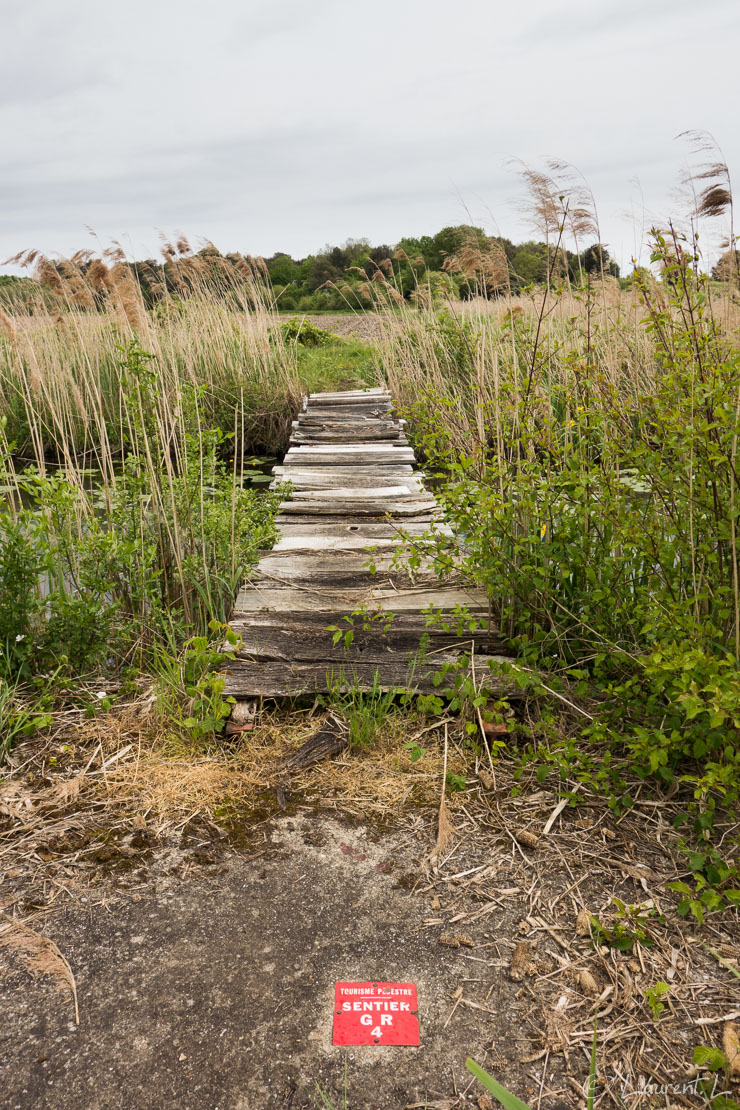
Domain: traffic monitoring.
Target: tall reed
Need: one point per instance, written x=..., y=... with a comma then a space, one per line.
x=125, y=443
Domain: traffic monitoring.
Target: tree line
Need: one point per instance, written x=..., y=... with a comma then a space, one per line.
x=459, y=262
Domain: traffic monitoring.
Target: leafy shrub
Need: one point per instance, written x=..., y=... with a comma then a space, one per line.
x=604, y=527
x=305, y=332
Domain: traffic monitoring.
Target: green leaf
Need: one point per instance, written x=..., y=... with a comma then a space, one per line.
x=707, y=1057
x=507, y=1100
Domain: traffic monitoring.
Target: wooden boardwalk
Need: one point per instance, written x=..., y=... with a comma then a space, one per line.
x=354, y=486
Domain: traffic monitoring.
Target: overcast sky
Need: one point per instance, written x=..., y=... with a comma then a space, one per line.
x=266, y=125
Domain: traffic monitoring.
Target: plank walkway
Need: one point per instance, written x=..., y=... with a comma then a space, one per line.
x=353, y=487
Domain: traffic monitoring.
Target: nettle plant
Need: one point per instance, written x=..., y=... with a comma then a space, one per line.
x=602, y=520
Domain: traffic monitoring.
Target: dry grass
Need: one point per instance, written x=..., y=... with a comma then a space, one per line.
x=133, y=762
x=525, y=914
x=40, y=955
x=486, y=369
x=60, y=377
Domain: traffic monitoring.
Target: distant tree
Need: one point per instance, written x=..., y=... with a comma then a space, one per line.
x=421, y=248
x=480, y=265
x=451, y=239
x=529, y=263
x=596, y=260
x=728, y=267
x=323, y=270
x=282, y=269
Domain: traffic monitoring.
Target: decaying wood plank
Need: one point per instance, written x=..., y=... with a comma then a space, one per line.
x=351, y=394
x=343, y=569
x=339, y=578
x=358, y=493
x=324, y=564
x=370, y=643
x=389, y=470
x=330, y=740
x=307, y=421
x=340, y=516
x=310, y=439
x=357, y=507
x=297, y=536
x=338, y=447
x=310, y=543
x=289, y=599
x=361, y=454
x=244, y=678
x=364, y=425
x=330, y=480
x=360, y=529
x=413, y=624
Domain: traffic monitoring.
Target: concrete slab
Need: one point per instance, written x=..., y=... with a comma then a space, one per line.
x=208, y=983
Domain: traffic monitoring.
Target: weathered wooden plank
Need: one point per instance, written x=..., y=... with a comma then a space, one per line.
x=357, y=493
x=338, y=570
x=361, y=420
x=310, y=563
x=322, y=578
x=299, y=527
x=245, y=678
x=337, y=429
x=349, y=394
x=381, y=407
x=346, y=404
x=342, y=517
x=289, y=600
x=358, y=508
x=332, y=543
x=329, y=480
x=340, y=453
x=358, y=435
x=305, y=637
x=353, y=448
x=313, y=459
x=365, y=435
x=357, y=418
x=400, y=470
x=326, y=536
x=404, y=623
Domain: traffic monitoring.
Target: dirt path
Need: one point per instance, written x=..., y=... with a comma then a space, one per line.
x=210, y=984
x=205, y=963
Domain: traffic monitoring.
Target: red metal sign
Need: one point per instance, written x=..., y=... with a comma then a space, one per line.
x=375, y=1013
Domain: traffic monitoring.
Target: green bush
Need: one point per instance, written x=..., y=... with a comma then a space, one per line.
x=604, y=527
x=305, y=332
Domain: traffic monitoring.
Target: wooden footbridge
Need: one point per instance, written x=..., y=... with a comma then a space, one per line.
x=354, y=487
